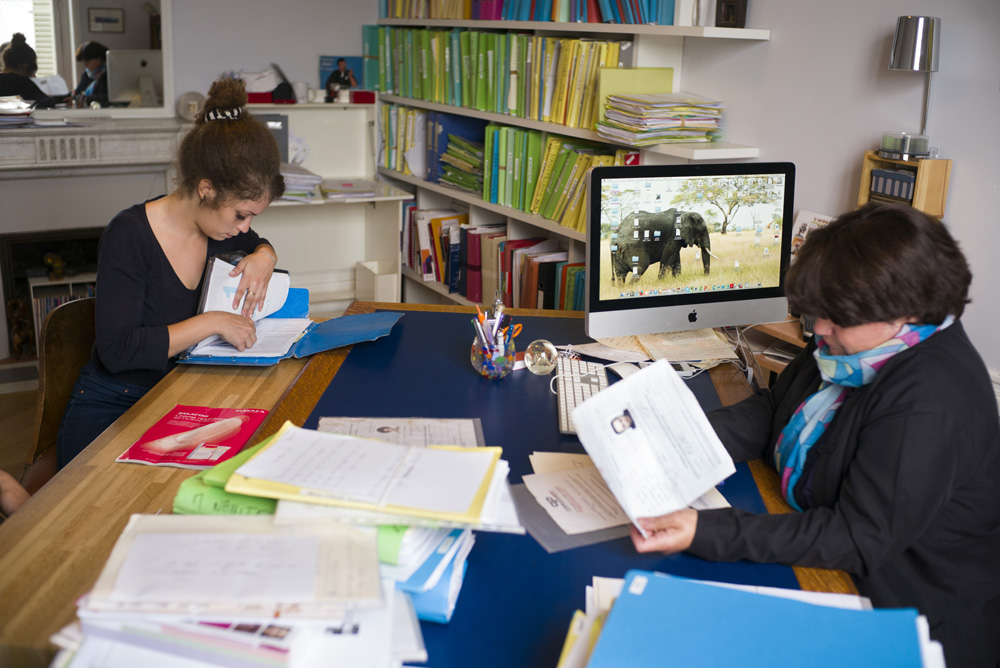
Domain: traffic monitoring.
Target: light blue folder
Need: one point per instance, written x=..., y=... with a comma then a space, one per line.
x=333, y=333
x=662, y=620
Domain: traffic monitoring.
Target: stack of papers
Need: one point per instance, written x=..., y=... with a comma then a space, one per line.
x=300, y=183
x=348, y=189
x=15, y=112
x=645, y=119
x=218, y=590
x=711, y=623
x=462, y=164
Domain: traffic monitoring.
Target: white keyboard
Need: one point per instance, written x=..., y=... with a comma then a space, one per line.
x=576, y=381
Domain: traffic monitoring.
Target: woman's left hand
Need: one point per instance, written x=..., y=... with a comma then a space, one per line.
x=668, y=533
x=256, y=269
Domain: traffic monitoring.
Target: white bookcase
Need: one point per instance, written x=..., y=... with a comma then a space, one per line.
x=652, y=46
x=47, y=293
x=335, y=247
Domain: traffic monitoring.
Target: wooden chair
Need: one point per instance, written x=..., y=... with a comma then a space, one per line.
x=64, y=346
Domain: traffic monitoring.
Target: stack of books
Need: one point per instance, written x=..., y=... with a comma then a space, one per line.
x=300, y=183
x=347, y=189
x=643, y=120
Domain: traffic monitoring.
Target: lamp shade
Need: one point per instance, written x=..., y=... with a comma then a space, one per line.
x=916, y=46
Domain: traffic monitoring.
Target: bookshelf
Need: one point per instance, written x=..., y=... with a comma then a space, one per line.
x=47, y=293
x=651, y=46
x=930, y=189
x=340, y=249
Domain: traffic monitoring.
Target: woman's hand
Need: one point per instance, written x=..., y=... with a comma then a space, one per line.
x=667, y=533
x=256, y=269
x=237, y=330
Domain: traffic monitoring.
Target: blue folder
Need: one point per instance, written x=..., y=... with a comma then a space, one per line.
x=660, y=619
x=318, y=337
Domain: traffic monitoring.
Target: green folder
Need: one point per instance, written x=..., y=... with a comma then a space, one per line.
x=559, y=191
x=502, y=170
x=518, y=181
x=565, y=149
x=532, y=167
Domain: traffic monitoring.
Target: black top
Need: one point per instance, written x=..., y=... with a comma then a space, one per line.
x=906, y=489
x=338, y=78
x=98, y=94
x=17, y=84
x=139, y=295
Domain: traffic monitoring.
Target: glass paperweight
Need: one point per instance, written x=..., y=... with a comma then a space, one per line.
x=493, y=362
x=540, y=357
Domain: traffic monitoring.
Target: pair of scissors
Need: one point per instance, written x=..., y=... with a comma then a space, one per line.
x=512, y=331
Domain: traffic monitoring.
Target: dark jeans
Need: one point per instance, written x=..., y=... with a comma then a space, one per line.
x=97, y=401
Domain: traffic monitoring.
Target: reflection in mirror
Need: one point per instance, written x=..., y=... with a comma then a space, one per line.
x=132, y=25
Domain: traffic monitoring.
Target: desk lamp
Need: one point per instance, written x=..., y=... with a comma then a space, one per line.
x=915, y=48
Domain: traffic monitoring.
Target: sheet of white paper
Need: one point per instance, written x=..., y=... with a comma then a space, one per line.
x=693, y=346
x=438, y=480
x=606, y=590
x=426, y=540
x=363, y=640
x=547, y=462
x=202, y=567
x=711, y=499
x=652, y=442
x=419, y=432
x=577, y=499
x=609, y=353
x=343, y=466
x=275, y=337
x=220, y=290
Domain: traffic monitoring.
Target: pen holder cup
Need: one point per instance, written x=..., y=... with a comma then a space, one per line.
x=493, y=363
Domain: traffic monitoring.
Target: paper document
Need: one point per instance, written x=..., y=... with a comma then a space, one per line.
x=694, y=346
x=219, y=290
x=275, y=337
x=421, y=432
x=441, y=482
x=578, y=499
x=652, y=442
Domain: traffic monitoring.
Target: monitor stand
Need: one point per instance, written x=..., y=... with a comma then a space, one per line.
x=148, y=92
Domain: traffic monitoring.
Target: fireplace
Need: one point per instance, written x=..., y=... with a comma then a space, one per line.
x=23, y=271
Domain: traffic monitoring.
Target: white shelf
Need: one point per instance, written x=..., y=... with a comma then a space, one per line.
x=590, y=28
x=477, y=201
x=689, y=151
x=435, y=286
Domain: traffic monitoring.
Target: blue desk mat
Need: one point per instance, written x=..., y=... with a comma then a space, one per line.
x=517, y=601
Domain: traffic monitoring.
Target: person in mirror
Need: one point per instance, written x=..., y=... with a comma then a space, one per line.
x=338, y=78
x=884, y=432
x=152, y=257
x=20, y=62
x=93, y=85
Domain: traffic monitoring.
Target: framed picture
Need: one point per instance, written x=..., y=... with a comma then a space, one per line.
x=106, y=20
x=334, y=72
x=731, y=14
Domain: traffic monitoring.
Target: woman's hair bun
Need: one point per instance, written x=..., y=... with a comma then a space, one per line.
x=225, y=95
x=18, y=38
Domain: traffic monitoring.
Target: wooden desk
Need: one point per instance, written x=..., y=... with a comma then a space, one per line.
x=53, y=549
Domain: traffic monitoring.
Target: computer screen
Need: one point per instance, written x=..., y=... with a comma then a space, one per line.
x=135, y=73
x=678, y=247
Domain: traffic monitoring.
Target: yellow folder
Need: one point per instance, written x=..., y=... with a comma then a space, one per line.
x=631, y=81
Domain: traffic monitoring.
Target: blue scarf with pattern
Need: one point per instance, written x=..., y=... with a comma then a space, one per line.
x=839, y=374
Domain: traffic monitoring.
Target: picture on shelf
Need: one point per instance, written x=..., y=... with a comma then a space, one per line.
x=340, y=71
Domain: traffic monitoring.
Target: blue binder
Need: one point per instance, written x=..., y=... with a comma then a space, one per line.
x=660, y=619
x=318, y=337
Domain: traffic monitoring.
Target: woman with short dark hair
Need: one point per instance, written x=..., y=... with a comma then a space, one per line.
x=93, y=85
x=20, y=62
x=884, y=431
x=152, y=259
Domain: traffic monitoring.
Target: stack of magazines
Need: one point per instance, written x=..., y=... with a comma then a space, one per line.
x=641, y=120
x=462, y=164
x=347, y=188
x=299, y=182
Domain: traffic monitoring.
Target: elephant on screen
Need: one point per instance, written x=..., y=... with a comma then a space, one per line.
x=646, y=238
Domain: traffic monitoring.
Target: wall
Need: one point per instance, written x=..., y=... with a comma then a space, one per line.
x=820, y=93
x=223, y=35
x=136, y=35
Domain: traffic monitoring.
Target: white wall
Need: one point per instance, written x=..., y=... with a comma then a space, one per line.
x=215, y=37
x=819, y=94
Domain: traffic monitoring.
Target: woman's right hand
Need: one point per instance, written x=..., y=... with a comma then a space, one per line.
x=237, y=330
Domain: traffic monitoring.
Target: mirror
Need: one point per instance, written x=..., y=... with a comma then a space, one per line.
x=128, y=29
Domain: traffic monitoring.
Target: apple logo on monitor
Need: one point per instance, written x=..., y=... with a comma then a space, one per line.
x=693, y=316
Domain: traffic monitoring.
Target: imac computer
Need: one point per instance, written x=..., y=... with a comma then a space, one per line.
x=135, y=74
x=679, y=247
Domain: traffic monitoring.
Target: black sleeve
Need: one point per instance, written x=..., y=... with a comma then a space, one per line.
x=902, y=473
x=125, y=267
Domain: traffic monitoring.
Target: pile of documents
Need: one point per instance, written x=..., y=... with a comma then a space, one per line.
x=348, y=189
x=342, y=541
x=462, y=164
x=300, y=183
x=15, y=112
x=647, y=616
x=642, y=120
